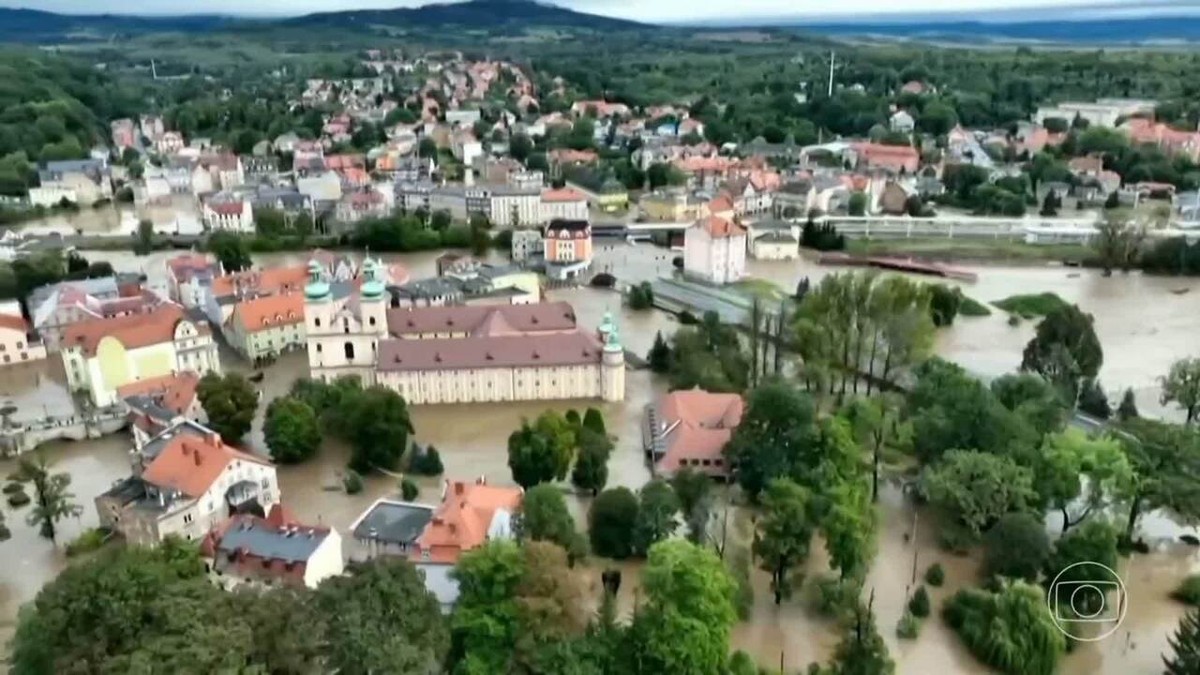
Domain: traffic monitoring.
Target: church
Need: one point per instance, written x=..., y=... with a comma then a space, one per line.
x=457, y=354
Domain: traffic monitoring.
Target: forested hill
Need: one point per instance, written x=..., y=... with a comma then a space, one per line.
x=1097, y=31
x=483, y=14
x=34, y=26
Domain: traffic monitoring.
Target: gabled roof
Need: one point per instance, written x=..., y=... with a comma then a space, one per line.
x=174, y=392
x=720, y=228
x=540, y=317
x=501, y=349
x=696, y=424
x=132, y=331
x=463, y=519
x=270, y=311
x=563, y=195
x=191, y=463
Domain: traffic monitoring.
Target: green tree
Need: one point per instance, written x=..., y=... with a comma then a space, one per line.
x=862, y=650
x=659, y=357
x=143, y=240
x=1092, y=542
x=1117, y=239
x=381, y=619
x=283, y=622
x=291, y=430
x=784, y=533
x=1185, y=646
x=1032, y=398
x=378, y=427
x=657, y=510
x=1128, y=408
x=593, y=420
x=977, y=488
x=777, y=429
x=611, y=523
x=1066, y=458
x=877, y=425
x=1009, y=630
x=484, y=624
x=52, y=498
x=542, y=451
x=409, y=490
x=694, y=490
x=1065, y=349
x=683, y=627
x=229, y=402
x=520, y=147
x=848, y=526
x=591, y=465
x=1016, y=547
x=1181, y=386
x=230, y=250
x=857, y=205
x=426, y=462
x=1166, y=468
x=427, y=148
x=544, y=517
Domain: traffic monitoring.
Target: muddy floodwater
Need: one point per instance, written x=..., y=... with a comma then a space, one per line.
x=1144, y=323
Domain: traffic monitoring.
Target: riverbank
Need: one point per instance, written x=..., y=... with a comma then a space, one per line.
x=984, y=251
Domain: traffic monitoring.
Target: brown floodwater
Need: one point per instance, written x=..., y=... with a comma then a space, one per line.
x=1142, y=325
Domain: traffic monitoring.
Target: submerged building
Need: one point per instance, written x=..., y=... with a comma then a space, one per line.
x=457, y=354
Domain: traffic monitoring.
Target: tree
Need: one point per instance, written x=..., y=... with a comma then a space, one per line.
x=1033, y=399
x=291, y=431
x=1016, y=547
x=657, y=509
x=611, y=523
x=53, y=500
x=1185, y=646
x=426, y=462
x=694, y=491
x=1093, y=401
x=848, y=526
x=1117, y=240
x=784, y=533
x=1128, y=408
x=427, y=148
x=876, y=423
x=1166, y=468
x=778, y=427
x=1009, y=630
x=382, y=619
x=229, y=402
x=1065, y=349
x=641, y=296
x=542, y=451
x=520, y=147
x=977, y=488
x=857, y=204
x=378, y=427
x=544, y=517
x=1092, y=542
x=230, y=250
x=684, y=625
x=1181, y=386
x=143, y=240
x=1051, y=204
x=591, y=465
x=409, y=490
x=944, y=303
x=862, y=650
x=659, y=357
x=1072, y=459
x=593, y=420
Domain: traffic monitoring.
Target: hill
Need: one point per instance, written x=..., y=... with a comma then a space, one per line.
x=30, y=25
x=1088, y=31
x=475, y=13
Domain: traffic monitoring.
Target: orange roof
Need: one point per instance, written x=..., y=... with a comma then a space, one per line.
x=270, y=311
x=175, y=392
x=696, y=425
x=264, y=281
x=720, y=228
x=133, y=331
x=720, y=204
x=14, y=322
x=563, y=195
x=694, y=164
x=191, y=464
x=462, y=520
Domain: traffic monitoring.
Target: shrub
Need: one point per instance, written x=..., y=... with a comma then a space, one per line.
x=1009, y=629
x=352, y=482
x=10, y=488
x=89, y=540
x=909, y=627
x=935, y=575
x=837, y=597
x=1031, y=305
x=604, y=280
x=427, y=462
x=18, y=499
x=409, y=489
x=1014, y=320
x=687, y=318
x=1188, y=591
x=1016, y=547
x=919, y=603
x=972, y=307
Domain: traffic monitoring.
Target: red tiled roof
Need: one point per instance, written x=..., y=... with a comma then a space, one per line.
x=720, y=204
x=697, y=424
x=183, y=267
x=462, y=520
x=270, y=311
x=14, y=322
x=720, y=228
x=504, y=347
x=191, y=464
x=563, y=195
x=265, y=281
x=226, y=208
x=175, y=392
x=132, y=331
x=536, y=318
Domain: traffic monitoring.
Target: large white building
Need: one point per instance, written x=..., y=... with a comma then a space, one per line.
x=458, y=354
x=714, y=249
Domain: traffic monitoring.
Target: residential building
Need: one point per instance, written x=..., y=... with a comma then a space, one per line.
x=55, y=307
x=714, y=249
x=514, y=207
x=390, y=528
x=470, y=515
x=774, y=240
x=101, y=355
x=275, y=550
x=267, y=326
x=18, y=342
x=222, y=293
x=894, y=198
x=793, y=199
x=499, y=352
x=186, y=275
x=750, y=194
x=672, y=206
x=901, y=122
x=185, y=482
x=563, y=204
x=900, y=159
x=690, y=428
x=599, y=109
x=1171, y=141
x=568, y=248
x=158, y=403
x=322, y=186
x=527, y=243
x=260, y=169
x=360, y=205
x=228, y=213
x=124, y=134
x=1105, y=112
x=152, y=127
x=169, y=143
x=81, y=181
x=462, y=116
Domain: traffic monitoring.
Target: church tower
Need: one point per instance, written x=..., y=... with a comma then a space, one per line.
x=373, y=299
x=612, y=363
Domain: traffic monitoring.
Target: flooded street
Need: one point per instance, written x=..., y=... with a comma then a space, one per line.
x=1142, y=325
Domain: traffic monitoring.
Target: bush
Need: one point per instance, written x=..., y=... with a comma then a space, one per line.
x=1009, y=630
x=837, y=597
x=409, y=489
x=1093, y=400
x=1032, y=305
x=909, y=627
x=89, y=540
x=10, y=488
x=935, y=576
x=604, y=280
x=427, y=462
x=972, y=307
x=1016, y=547
x=687, y=318
x=18, y=499
x=1188, y=591
x=641, y=296
x=1014, y=320
x=352, y=482
x=918, y=605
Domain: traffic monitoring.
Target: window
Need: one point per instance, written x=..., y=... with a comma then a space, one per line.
x=318, y=347
x=371, y=321
x=20, y=345
x=317, y=322
x=349, y=349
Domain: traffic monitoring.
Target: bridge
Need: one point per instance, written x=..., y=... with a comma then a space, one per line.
x=19, y=438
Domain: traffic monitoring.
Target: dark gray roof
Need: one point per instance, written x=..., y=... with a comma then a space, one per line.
x=294, y=543
x=770, y=224
x=126, y=490
x=155, y=445
x=148, y=406
x=392, y=522
x=777, y=236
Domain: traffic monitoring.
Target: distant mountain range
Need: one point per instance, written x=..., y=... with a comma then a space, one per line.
x=1173, y=20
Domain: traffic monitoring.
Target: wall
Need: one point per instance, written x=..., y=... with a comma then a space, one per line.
x=495, y=384
x=326, y=561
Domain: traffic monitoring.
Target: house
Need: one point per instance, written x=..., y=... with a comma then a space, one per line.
x=1091, y=165
x=563, y=204
x=560, y=157
x=267, y=326
x=689, y=428
x=325, y=186
x=750, y=195
x=185, y=482
x=1171, y=141
x=184, y=273
x=672, y=206
x=470, y=515
x=152, y=127
x=80, y=181
x=1105, y=112
x=390, y=528
x=527, y=243
x=360, y=205
x=901, y=122
x=157, y=403
x=893, y=199
x=55, y=307
x=774, y=240
x=260, y=169
x=18, y=342
x=169, y=143
x=568, y=248
x=915, y=87
x=228, y=213
x=465, y=147
x=101, y=355
x=599, y=109
x=714, y=249
x=124, y=134
x=512, y=206
x=221, y=294
x=793, y=199
x=899, y=159
x=275, y=550
x=462, y=116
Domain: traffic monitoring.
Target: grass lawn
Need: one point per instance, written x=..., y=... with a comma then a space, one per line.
x=985, y=250
x=760, y=288
x=1031, y=306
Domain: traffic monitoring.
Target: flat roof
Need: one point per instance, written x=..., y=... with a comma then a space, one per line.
x=392, y=522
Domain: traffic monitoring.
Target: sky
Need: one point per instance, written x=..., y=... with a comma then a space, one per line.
x=640, y=10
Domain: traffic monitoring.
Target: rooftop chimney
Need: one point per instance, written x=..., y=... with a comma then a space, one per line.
x=459, y=487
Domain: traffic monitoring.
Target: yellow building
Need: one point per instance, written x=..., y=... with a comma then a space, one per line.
x=101, y=355
x=267, y=326
x=670, y=206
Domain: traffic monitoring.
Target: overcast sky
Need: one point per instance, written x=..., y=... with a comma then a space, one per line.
x=643, y=10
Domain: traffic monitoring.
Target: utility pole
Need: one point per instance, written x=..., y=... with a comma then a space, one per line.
x=832, y=59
